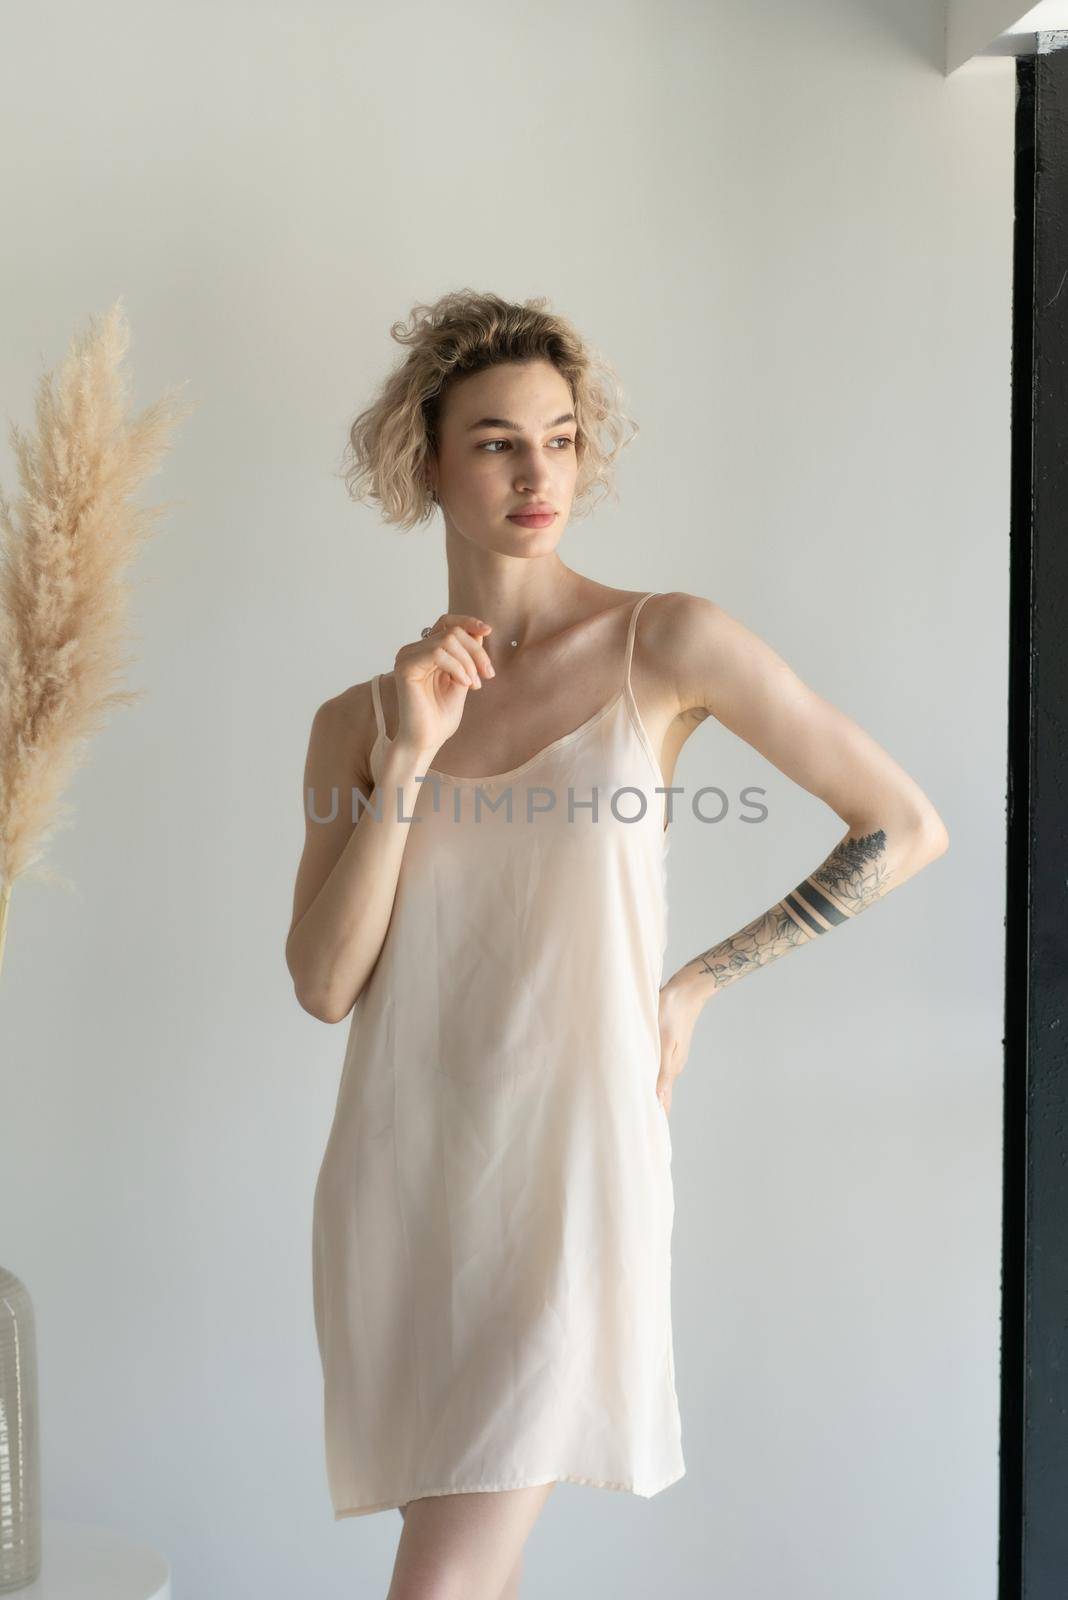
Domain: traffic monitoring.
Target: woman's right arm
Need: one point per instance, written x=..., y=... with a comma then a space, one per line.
x=347, y=878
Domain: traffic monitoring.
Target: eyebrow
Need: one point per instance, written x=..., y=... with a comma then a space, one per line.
x=502, y=422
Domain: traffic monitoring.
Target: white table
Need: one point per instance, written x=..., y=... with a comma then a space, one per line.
x=80, y=1561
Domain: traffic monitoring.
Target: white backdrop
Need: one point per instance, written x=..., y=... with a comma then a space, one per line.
x=792, y=236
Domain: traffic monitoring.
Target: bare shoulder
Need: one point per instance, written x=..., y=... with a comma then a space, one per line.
x=342, y=734
x=705, y=657
x=681, y=639
x=338, y=760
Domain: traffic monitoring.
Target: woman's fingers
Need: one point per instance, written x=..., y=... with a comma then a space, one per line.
x=460, y=643
x=470, y=631
x=449, y=649
x=454, y=642
x=669, y=1071
x=453, y=662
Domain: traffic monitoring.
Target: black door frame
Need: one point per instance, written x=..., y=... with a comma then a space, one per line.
x=1033, y=1464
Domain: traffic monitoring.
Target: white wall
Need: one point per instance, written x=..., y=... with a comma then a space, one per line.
x=792, y=235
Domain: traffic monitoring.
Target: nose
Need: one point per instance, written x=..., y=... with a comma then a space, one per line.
x=533, y=474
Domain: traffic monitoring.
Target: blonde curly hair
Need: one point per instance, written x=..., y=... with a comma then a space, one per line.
x=463, y=332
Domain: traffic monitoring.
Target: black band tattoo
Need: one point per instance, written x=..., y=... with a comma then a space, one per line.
x=853, y=876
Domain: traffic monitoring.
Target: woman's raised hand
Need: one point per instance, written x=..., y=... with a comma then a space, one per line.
x=433, y=676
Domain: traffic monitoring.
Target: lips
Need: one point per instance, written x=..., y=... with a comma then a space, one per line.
x=532, y=519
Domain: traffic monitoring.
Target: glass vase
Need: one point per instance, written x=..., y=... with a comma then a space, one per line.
x=20, y=1465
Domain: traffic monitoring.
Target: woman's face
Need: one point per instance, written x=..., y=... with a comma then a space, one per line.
x=507, y=442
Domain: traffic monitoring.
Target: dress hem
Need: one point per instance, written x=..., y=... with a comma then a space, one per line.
x=525, y=1483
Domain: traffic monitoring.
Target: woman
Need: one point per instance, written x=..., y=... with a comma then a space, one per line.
x=494, y=1210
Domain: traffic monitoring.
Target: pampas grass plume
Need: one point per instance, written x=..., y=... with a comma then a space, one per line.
x=65, y=546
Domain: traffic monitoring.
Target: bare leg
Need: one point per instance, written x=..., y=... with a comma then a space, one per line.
x=511, y=1587
x=465, y=1546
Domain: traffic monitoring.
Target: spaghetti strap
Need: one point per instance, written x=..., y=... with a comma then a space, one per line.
x=376, y=696
x=630, y=636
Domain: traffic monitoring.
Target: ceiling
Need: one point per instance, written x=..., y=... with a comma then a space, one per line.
x=999, y=28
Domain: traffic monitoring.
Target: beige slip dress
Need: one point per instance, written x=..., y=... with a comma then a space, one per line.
x=493, y=1214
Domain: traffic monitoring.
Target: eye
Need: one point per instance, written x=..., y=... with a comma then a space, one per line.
x=563, y=438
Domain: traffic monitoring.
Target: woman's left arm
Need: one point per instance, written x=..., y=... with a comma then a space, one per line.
x=720, y=668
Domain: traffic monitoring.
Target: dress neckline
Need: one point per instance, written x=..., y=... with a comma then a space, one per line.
x=514, y=772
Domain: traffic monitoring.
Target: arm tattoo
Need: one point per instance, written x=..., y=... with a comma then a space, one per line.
x=853, y=876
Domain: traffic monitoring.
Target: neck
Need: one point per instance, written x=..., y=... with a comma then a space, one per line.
x=522, y=600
